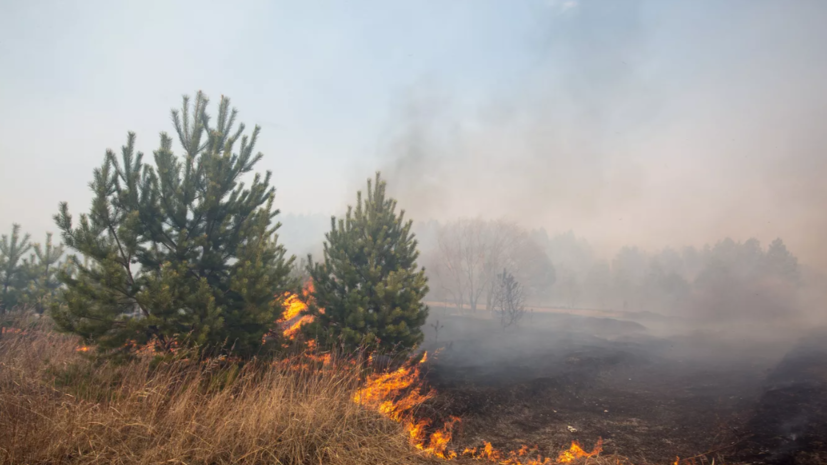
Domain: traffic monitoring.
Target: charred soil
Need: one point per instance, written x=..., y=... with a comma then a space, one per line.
x=648, y=398
x=789, y=422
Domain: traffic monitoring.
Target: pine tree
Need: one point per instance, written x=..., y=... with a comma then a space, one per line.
x=181, y=252
x=43, y=266
x=13, y=270
x=369, y=291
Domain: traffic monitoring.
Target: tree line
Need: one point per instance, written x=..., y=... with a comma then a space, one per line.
x=722, y=280
x=466, y=259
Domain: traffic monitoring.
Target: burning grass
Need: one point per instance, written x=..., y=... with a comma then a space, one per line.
x=397, y=394
x=56, y=406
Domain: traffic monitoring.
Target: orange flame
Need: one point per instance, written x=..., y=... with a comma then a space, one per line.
x=438, y=441
x=293, y=329
x=18, y=331
x=293, y=304
x=397, y=394
x=577, y=452
x=385, y=392
x=293, y=317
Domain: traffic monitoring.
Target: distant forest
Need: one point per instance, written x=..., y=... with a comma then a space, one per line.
x=716, y=281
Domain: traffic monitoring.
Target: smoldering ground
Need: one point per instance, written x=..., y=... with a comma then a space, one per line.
x=558, y=377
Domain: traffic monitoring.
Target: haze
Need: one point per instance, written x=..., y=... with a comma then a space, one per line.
x=639, y=122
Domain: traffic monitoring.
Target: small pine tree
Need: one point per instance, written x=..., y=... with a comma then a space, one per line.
x=13, y=268
x=368, y=290
x=43, y=266
x=182, y=252
x=509, y=297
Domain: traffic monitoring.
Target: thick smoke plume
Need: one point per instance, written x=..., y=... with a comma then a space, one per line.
x=629, y=135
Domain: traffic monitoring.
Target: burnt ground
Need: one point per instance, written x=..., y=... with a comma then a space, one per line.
x=560, y=378
x=789, y=423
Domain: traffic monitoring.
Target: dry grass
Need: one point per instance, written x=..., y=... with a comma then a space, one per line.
x=58, y=407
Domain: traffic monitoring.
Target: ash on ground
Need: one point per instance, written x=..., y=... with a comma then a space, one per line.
x=563, y=377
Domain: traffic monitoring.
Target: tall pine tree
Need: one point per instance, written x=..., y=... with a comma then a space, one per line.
x=180, y=252
x=13, y=269
x=369, y=291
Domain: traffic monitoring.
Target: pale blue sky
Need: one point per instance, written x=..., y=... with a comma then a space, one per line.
x=650, y=122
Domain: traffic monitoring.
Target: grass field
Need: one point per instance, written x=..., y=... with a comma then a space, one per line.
x=57, y=406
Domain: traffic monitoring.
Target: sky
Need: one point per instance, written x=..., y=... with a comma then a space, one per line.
x=630, y=122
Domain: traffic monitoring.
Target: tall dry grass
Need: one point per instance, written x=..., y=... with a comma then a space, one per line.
x=58, y=407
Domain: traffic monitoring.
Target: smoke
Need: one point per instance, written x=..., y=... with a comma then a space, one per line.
x=637, y=123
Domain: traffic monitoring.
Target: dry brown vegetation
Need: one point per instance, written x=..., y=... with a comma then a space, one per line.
x=57, y=406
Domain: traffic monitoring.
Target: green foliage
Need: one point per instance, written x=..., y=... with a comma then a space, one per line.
x=182, y=253
x=369, y=286
x=42, y=269
x=13, y=268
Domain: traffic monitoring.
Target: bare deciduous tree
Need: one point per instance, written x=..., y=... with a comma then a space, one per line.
x=473, y=251
x=464, y=250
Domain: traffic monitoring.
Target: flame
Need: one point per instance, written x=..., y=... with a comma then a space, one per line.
x=514, y=457
x=293, y=305
x=385, y=392
x=19, y=331
x=486, y=453
x=305, y=362
x=293, y=330
x=325, y=359
x=397, y=394
x=294, y=316
x=438, y=441
x=577, y=452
